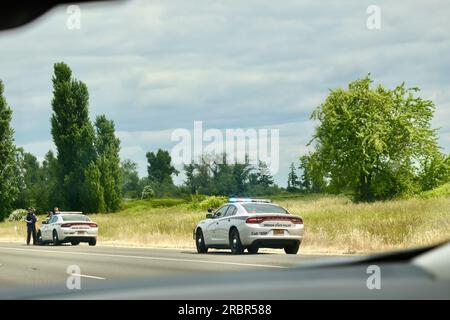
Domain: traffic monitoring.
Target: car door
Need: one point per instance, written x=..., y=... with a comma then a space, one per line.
x=224, y=224
x=42, y=229
x=46, y=230
x=51, y=226
x=213, y=224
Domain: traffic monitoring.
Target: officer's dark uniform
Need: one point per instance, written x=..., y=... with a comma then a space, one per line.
x=31, y=227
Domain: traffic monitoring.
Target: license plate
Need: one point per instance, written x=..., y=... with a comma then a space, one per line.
x=278, y=232
x=81, y=232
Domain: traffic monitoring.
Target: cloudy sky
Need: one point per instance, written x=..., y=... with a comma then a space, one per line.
x=154, y=66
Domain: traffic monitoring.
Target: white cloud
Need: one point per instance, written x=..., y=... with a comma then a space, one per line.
x=156, y=66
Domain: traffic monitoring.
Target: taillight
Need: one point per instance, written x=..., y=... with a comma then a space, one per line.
x=68, y=225
x=297, y=220
x=257, y=220
x=254, y=220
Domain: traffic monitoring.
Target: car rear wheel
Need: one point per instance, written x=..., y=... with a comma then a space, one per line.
x=93, y=242
x=292, y=249
x=56, y=241
x=75, y=243
x=253, y=249
x=235, y=242
x=200, y=242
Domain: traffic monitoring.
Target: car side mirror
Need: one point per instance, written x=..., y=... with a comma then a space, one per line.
x=44, y=222
x=209, y=216
x=210, y=210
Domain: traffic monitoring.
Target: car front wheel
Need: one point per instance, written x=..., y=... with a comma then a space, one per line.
x=235, y=242
x=200, y=242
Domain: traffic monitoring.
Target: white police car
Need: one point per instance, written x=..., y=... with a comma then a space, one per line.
x=73, y=227
x=250, y=224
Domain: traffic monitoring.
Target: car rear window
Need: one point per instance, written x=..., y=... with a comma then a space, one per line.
x=263, y=208
x=75, y=217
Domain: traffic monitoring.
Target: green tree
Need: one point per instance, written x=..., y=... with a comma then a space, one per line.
x=260, y=181
x=8, y=187
x=147, y=192
x=436, y=171
x=108, y=162
x=50, y=195
x=190, y=173
x=93, y=196
x=223, y=179
x=37, y=183
x=130, y=179
x=74, y=136
x=293, y=182
x=263, y=175
x=28, y=175
x=216, y=176
x=241, y=172
x=199, y=176
x=160, y=168
x=371, y=141
x=311, y=179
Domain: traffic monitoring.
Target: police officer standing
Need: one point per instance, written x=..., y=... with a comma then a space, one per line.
x=31, y=220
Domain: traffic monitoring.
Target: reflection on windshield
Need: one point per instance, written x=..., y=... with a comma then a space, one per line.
x=263, y=208
x=75, y=217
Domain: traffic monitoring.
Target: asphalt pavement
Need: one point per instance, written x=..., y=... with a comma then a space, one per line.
x=22, y=265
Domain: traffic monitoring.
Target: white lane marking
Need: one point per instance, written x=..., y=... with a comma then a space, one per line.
x=86, y=276
x=150, y=258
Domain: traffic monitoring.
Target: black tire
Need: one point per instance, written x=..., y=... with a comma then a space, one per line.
x=235, y=242
x=253, y=249
x=56, y=241
x=40, y=242
x=93, y=242
x=292, y=249
x=75, y=243
x=200, y=242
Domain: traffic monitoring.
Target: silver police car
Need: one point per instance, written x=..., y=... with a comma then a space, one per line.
x=250, y=224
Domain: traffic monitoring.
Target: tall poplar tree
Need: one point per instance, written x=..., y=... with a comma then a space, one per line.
x=108, y=162
x=73, y=135
x=8, y=188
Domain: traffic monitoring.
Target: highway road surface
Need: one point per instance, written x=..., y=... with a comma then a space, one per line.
x=22, y=265
x=83, y=272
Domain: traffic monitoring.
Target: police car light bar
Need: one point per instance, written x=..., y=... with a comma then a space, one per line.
x=237, y=199
x=70, y=212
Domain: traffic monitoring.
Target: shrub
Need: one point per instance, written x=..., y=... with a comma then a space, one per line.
x=17, y=215
x=205, y=202
x=442, y=191
x=165, y=202
x=148, y=192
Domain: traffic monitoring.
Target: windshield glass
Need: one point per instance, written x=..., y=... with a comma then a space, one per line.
x=263, y=208
x=144, y=124
x=75, y=217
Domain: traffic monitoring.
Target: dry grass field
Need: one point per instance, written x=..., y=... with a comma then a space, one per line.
x=332, y=224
